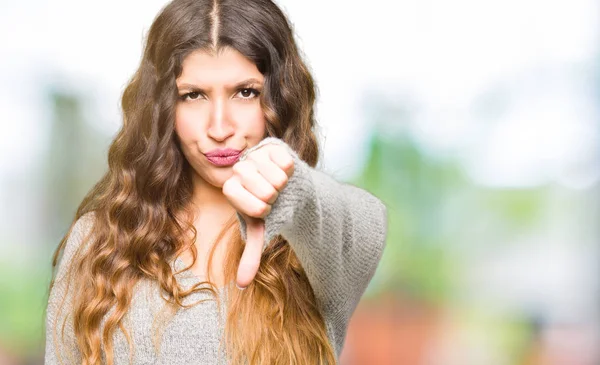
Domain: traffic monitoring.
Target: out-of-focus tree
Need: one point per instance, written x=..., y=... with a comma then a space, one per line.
x=75, y=161
x=436, y=214
x=439, y=220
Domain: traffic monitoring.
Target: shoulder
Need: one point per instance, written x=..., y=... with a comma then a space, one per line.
x=84, y=223
x=80, y=230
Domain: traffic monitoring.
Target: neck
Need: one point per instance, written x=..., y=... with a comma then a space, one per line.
x=209, y=201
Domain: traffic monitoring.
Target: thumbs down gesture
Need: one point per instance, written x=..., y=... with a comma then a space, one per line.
x=254, y=186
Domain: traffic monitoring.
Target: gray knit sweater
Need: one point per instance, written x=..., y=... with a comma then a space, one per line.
x=337, y=231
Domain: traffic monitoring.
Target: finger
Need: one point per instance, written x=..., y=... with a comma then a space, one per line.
x=283, y=159
x=253, y=180
x=250, y=261
x=244, y=201
x=276, y=177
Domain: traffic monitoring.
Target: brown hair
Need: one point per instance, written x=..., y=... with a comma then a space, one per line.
x=142, y=218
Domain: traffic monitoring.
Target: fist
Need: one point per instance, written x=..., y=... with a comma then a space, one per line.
x=252, y=190
x=257, y=180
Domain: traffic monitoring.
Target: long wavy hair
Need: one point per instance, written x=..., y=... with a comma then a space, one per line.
x=141, y=207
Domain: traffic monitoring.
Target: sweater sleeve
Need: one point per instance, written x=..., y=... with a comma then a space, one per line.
x=337, y=230
x=59, y=349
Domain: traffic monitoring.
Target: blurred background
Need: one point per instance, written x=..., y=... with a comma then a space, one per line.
x=477, y=122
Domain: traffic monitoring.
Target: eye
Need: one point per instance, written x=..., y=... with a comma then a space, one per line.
x=246, y=93
x=194, y=95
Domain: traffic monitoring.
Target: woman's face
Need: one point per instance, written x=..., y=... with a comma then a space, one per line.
x=218, y=108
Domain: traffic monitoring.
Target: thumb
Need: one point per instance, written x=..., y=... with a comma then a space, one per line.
x=250, y=261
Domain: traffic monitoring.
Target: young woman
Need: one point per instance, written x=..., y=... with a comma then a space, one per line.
x=212, y=238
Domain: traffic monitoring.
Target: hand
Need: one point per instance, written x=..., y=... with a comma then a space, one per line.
x=252, y=190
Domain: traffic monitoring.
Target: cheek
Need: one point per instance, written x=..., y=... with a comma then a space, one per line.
x=187, y=123
x=250, y=120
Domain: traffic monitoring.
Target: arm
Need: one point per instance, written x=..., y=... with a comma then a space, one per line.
x=61, y=350
x=337, y=231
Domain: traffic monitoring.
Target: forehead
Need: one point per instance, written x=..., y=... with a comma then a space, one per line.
x=228, y=66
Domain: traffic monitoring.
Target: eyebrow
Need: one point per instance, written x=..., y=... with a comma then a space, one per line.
x=244, y=83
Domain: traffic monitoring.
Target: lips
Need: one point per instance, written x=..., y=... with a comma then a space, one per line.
x=223, y=157
x=225, y=152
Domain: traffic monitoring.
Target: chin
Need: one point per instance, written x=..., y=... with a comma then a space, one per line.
x=213, y=176
x=217, y=179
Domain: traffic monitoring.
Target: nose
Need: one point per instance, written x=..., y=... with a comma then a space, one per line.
x=219, y=127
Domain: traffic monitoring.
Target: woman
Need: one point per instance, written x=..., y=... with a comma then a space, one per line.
x=211, y=185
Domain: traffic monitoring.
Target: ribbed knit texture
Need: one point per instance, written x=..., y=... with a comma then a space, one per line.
x=337, y=231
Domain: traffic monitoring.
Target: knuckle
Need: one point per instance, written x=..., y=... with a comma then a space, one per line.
x=260, y=209
x=288, y=163
x=264, y=196
x=285, y=162
x=273, y=196
x=281, y=183
x=238, y=168
x=269, y=195
x=227, y=187
x=265, y=211
x=252, y=155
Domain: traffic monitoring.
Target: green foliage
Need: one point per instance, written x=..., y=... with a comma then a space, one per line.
x=435, y=213
x=73, y=163
x=22, y=311
x=413, y=187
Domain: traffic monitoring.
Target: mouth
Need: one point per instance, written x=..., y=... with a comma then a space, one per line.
x=223, y=157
